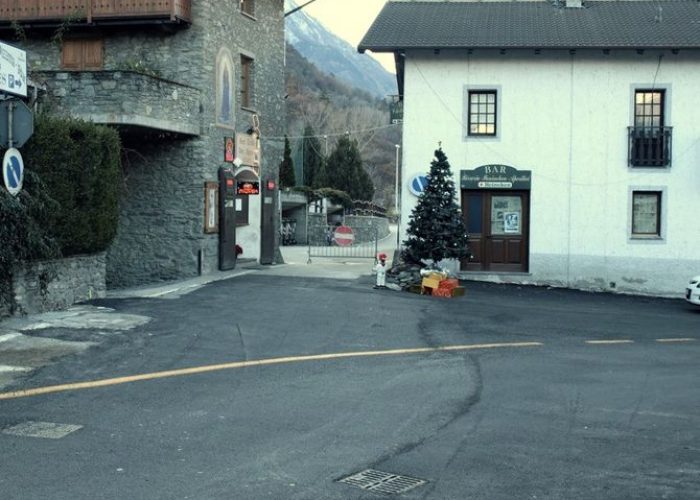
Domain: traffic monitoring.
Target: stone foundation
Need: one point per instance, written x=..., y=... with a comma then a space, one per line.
x=54, y=285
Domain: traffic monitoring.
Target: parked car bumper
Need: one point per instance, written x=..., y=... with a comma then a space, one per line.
x=692, y=291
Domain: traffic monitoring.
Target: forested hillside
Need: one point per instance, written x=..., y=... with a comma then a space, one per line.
x=332, y=109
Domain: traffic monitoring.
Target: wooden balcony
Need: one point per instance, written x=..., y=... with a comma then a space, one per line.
x=53, y=12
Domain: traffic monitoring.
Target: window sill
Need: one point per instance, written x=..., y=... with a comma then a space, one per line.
x=481, y=138
x=249, y=16
x=248, y=110
x=641, y=238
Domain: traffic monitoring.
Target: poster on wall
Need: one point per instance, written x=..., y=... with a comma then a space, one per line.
x=228, y=150
x=211, y=203
x=511, y=222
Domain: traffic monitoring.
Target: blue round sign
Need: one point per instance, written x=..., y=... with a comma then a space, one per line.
x=418, y=184
x=13, y=171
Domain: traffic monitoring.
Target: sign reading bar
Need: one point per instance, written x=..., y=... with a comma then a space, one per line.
x=496, y=177
x=248, y=188
x=13, y=70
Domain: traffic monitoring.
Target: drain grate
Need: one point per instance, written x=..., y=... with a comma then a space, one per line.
x=383, y=482
x=47, y=430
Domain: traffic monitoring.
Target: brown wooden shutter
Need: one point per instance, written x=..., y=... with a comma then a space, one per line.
x=93, y=54
x=82, y=53
x=72, y=55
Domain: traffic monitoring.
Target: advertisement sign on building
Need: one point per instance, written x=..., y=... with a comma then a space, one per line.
x=248, y=151
x=13, y=70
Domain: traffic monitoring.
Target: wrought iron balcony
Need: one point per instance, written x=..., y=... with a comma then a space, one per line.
x=52, y=12
x=649, y=146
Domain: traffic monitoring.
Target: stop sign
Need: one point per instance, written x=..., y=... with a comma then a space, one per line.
x=343, y=236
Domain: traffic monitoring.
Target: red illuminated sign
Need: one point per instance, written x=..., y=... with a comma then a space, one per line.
x=248, y=188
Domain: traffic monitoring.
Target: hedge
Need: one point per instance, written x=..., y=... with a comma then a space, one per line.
x=79, y=162
x=69, y=201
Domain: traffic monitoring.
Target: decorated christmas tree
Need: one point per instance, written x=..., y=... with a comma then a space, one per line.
x=436, y=230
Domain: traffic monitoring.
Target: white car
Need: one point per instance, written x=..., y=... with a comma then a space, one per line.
x=692, y=292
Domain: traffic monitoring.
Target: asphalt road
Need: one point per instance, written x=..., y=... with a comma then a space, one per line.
x=279, y=387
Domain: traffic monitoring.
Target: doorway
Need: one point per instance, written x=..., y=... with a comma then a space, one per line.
x=498, y=223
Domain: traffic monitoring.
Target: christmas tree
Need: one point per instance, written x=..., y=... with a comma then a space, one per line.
x=436, y=230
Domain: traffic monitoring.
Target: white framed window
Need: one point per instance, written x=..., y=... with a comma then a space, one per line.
x=647, y=213
x=481, y=114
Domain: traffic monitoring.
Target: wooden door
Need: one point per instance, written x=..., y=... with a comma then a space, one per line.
x=498, y=227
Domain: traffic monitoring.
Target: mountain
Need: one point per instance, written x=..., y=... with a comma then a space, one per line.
x=335, y=56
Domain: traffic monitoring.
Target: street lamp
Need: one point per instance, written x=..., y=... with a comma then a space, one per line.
x=396, y=197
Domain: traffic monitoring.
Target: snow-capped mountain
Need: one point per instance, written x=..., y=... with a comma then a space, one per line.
x=335, y=56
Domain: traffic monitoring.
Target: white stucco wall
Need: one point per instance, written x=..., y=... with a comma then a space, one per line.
x=565, y=117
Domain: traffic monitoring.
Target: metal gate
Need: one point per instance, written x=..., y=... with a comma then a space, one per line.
x=331, y=243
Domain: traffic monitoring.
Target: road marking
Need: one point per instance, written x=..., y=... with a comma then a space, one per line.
x=676, y=340
x=246, y=364
x=609, y=342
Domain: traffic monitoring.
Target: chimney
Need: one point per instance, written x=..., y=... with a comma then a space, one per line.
x=574, y=4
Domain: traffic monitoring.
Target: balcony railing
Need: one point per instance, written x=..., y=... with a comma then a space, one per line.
x=93, y=11
x=649, y=146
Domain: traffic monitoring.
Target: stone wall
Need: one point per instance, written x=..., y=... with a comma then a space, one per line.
x=125, y=98
x=161, y=229
x=53, y=285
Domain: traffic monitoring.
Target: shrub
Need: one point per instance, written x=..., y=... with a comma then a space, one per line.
x=79, y=163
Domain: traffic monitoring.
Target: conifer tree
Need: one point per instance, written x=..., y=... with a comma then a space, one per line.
x=346, y=172
x=312, y=157
x=287, y=177
x=436, y=229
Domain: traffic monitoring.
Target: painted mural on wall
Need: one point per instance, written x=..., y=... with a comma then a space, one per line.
x=225, y=88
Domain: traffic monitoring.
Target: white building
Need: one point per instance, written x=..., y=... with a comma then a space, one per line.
x=573, y=129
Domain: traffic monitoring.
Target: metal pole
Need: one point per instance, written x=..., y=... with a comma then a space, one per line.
x=396, y=198
x=10, y=124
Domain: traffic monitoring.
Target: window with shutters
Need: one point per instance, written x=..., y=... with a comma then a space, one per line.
x=82, y=54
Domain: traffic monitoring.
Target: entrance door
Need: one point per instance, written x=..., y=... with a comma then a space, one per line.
x=498, y=227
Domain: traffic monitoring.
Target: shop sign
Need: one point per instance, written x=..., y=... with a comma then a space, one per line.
x=248, y=150
x=246, y=188
x=396, y=111
x=496, y=177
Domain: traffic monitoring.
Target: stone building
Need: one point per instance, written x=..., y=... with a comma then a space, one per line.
x=180, y=80
x=571, y=127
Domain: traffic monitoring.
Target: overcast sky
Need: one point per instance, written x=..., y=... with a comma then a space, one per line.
x=350, y=20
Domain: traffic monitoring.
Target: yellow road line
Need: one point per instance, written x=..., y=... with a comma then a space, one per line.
x=609, y=342
x=682, y=339
x=246, y=364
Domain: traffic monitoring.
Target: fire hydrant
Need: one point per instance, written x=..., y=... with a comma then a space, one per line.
x=380, y=270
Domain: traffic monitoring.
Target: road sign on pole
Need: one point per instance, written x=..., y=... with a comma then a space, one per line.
x=13, y=70
x=344, y=236
x=15, y=112
x=13, y=171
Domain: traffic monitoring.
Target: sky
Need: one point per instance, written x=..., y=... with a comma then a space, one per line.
x=350, y=20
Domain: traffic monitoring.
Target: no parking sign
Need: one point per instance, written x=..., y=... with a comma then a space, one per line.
x=418, y=183
x=13, y=171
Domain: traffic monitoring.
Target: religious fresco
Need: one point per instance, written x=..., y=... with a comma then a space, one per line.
x=225, y=88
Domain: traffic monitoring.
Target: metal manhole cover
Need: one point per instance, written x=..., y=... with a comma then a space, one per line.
x=47, y=430
x=383, y=482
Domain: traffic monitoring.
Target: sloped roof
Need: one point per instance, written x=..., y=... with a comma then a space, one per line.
x=639, y=24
